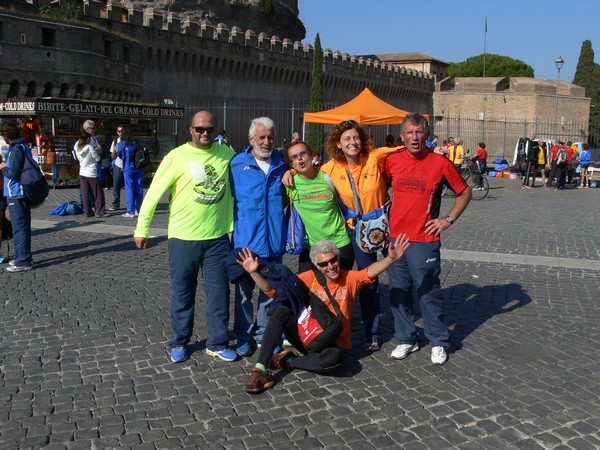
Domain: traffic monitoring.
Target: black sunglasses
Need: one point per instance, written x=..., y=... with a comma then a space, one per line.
x=201, y=130
x=326, y=263
x=348, y=122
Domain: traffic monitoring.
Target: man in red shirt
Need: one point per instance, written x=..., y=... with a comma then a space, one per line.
x=569, y=169
x=417, y=176
x=555, y=169
x=481, y=160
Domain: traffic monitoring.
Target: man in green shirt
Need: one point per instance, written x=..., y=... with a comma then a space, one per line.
x=201, y=216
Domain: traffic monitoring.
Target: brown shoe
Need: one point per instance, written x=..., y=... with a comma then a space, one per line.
x=281, y=360
x=259, y=381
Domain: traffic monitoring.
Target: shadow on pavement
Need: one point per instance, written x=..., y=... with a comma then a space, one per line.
x=471, y=306
x=467, y=306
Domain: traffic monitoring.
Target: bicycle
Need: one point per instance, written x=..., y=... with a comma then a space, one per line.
x=470, y=171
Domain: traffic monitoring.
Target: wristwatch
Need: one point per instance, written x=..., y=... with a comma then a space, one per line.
x=450, y=219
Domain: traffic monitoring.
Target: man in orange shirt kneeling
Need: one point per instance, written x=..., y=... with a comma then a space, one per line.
x=342, y=285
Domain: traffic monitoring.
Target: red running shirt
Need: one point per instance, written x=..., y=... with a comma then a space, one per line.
x=417, y=191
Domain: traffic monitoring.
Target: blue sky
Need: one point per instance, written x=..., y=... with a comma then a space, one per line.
x=534, y=31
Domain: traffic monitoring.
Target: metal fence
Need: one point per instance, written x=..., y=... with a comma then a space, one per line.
x=235, y=118
x=500, y=136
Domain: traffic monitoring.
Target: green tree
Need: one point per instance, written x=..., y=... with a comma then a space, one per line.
x=316, y=131
x=67, y=11
x=495, y=66
x=268, y=8
x=587, y=75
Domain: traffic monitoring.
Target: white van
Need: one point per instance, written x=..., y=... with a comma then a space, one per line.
x=519, y=156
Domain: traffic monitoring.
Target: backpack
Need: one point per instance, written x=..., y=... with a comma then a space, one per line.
x=296, y=241
x=318, y=328
x=33, y=181
x=141, y=158
x=561, y=158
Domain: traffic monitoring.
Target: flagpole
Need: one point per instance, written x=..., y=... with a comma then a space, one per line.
x=484, y=44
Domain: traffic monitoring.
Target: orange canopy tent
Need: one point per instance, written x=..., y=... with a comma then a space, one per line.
x=366, y=109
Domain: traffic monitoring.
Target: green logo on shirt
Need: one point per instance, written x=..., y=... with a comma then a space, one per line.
x=211, y=188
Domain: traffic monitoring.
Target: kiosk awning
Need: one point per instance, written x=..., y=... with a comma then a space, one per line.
x=60, y=107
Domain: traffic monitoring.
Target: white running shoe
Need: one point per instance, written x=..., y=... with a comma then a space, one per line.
x=438, y=355
x=403, y=350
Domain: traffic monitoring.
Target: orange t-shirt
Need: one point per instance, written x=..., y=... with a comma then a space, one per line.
x=369, y=177
x=344, y=290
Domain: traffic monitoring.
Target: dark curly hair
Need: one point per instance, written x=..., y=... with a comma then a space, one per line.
x=10, y=130
x=335, y=135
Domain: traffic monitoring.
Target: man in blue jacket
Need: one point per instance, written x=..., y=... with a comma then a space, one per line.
x=259, y=223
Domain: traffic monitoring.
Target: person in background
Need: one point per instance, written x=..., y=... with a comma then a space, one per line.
x=390, y=141
x=106, y=162
x=259, y=223
x=432, y=143
x=223, y=138
x=134, y=180
x=18, y=205
x=539, y=160
x=531, y=150
x=3, y=203
x=200, y=219
x=89, y=126
x=570, y=156
x=585, y=159
x=415, y=213
x=553, y=166
x=447, y=144
x=88, y=158
x=480, y=159
x=314, y=198
x=456, y=152
x=343, y=286
x=117, y=171
x=295, y=136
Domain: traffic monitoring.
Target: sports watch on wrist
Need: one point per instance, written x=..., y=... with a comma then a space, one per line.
x=450, y=219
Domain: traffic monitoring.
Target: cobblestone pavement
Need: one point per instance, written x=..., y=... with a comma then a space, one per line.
x=83, y=360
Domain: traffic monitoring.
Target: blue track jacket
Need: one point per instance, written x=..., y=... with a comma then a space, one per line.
x=259, y=220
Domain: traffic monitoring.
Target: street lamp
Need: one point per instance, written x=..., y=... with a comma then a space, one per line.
x=559, y=63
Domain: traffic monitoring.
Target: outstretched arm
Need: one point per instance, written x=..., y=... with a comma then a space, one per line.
x=395, y=252
x=250, y=265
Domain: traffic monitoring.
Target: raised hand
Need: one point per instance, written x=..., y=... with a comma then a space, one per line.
x=395, y=251
x=247, y=261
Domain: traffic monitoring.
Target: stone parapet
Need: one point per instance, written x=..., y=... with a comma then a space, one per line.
x=153, y=19
x=125, y=57
x=173, y=22
x=150, y=17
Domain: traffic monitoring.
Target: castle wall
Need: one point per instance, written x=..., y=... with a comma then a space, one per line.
x=129, y=54
x=59, y=59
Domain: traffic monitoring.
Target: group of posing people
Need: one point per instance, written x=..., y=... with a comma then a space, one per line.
x=215, y=191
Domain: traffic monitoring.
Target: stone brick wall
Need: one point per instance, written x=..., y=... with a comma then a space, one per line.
x=186, y=60
x=524, y=99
